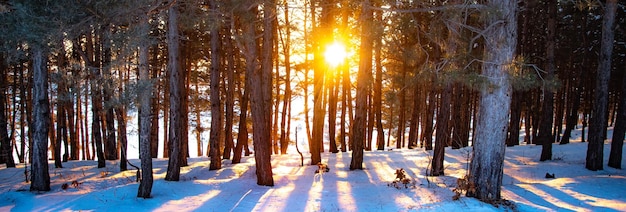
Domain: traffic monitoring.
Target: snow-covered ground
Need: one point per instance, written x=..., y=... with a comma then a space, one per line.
x=297, y=188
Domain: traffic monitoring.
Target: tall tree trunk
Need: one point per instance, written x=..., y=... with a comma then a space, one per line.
x=85, y=124
x=230, y=97
x=40, y=178
x=251, y=56
x=598, y=121
x=319, y=78
x=378, y=84
x=166, y=112
x=332, y=112
x=175, y=77
x=261, y=100
x=284, y=128
x=242, y=135
x=60, y=130
x=199, y=129
x=155, y=101
x=145, y=120
x=428, y=121
x=120, y=112
x=216, y=105
x=307, y=122
x=110, y=145
x=460, y=123
x=184, y=103
x=443, y=135
x=23, y=114
x=415, y=117
x=6, y=153
x=363, y=83
x=617, y=142
x=546, y=138
x=401, y=111
x=486, y=167
x=514, y=124
x=96, y=99
x=72, y=125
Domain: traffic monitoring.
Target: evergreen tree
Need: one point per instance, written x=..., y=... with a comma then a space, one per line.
x=487, y=165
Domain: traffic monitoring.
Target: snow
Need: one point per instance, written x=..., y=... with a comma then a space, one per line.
x=298, y=188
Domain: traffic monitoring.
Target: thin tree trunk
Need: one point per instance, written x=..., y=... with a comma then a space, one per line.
x=332, y=113
x=184, y=103
x=443, y=135
x=370, y=120
x=145, y=120
x=120, y=112
x=284, y=132
x=401, y=111
x=166, y=113
x=230, y=96
x=110, y=145
x=242, y=135
x=415, y=117
x=96, y=101
x=378, y=85
x=428, y=125
x=216, y=105
x=60, y=129
x=6, y=153
x=23, y=120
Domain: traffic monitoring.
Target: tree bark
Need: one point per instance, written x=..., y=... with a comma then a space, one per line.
x=617, y=142
x=378, y=84
x=175, y=77
x=427, y=141
x=154, y=115
x=96, y=99
x=120, y=112
x=251, y=57
x=514, y=124
x=443, y=135
x=332, y=112
x=286, y=112
x=40, y=177
x=230, y=97
x=598, y=120
x=110, y=145
x=6, y=152
x=261, y=98
x=546, y=138
x=242, y=135
x=363, y=83
x=145, y=120
x=216, y=105
x=486, y=167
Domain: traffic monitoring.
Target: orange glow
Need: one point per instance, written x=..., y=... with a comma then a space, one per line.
x=335, y=54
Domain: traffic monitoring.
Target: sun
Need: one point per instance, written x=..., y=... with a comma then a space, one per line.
x=335, y=54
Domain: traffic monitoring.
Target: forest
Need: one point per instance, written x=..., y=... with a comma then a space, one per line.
x=229, y=79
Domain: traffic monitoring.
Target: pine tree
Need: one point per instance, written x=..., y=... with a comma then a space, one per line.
x=595, y=149
x=486, y=167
